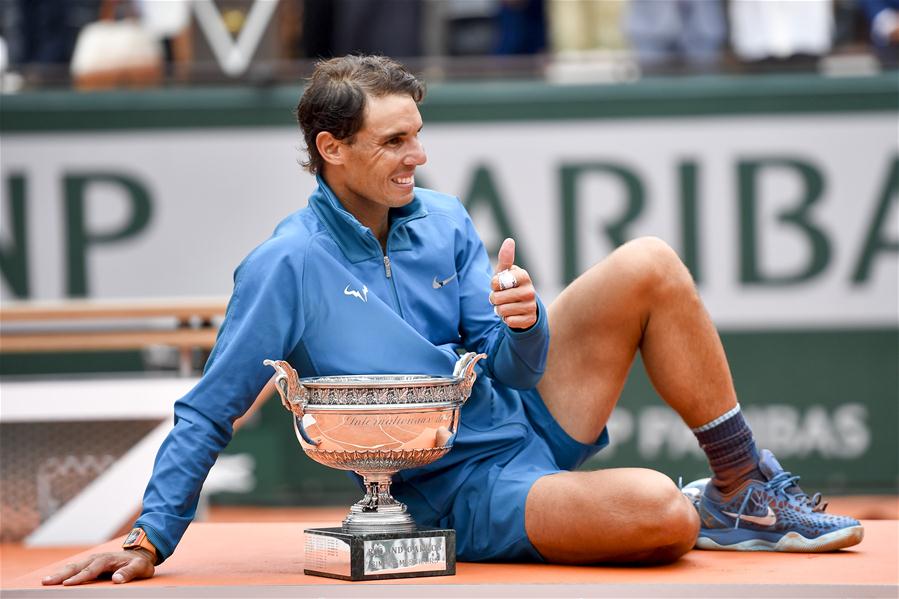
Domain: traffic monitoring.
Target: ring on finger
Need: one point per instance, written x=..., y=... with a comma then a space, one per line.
x=507, y=280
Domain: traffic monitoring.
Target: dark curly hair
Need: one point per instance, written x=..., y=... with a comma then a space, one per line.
x=335, y=96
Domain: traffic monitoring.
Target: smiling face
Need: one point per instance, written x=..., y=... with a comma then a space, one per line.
x=375, y=169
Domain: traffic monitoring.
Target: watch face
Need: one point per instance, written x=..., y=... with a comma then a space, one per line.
x=133, y=536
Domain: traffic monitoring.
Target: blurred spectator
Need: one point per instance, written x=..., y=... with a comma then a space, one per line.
x=664, y=33
x=586, y=25
x=317, y=40
x=780, y=30
x=850, y=25
x=883, y=16
x=132, y=44
x=168, y=22
x=521, y=27
x=482, y=27
x=112, y=54
x=883, y=20
x=9, y=82
x=40, y=34
x=389, y=27
x=470, y=26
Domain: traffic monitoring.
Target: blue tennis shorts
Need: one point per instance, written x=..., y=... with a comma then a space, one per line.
x=488, y=507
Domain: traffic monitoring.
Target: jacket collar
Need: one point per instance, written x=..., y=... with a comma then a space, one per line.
x=354, y=239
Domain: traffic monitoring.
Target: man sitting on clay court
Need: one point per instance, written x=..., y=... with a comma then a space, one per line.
x=346, y=286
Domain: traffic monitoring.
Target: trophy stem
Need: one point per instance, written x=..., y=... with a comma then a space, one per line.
x=378, y=511
x=377, y=492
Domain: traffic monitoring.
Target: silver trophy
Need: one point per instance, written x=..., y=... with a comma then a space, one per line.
x=377, y=425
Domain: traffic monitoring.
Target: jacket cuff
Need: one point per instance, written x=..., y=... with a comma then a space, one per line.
x=163, y=551
x=534, y=329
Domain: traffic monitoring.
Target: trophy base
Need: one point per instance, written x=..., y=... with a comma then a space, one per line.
x=335, y=553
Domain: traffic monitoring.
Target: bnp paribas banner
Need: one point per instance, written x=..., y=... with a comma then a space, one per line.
x=787, y=217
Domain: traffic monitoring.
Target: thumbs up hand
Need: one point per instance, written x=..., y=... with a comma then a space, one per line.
x=513, y=296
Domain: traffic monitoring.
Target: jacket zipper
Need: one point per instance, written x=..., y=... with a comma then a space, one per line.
x=388, y=271
x=389, y=274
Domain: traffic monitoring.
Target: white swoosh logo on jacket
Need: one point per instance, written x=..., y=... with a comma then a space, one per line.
x=363, y=296
x=437, y=284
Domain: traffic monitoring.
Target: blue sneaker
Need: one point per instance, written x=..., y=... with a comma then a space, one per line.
x=772, y=515
x=694, y=490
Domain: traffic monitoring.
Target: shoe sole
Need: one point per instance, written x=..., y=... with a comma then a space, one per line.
x=792, y=542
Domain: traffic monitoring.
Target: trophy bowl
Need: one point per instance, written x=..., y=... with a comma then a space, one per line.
x=376, y=425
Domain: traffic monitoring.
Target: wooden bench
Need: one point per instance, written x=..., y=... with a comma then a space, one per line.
x=103, y=325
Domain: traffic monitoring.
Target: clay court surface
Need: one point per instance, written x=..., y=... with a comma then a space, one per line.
x=252, y=552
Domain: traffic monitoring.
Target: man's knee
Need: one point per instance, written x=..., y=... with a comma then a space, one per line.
x=634, y=278
x=672, y=522
x=682, y=528
x=653, y=265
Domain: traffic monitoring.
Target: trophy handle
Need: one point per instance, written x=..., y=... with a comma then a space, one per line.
x=465, y=368
x=301, y=431
x=292, y=392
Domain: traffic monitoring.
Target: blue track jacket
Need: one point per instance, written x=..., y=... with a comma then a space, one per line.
x=322, y=294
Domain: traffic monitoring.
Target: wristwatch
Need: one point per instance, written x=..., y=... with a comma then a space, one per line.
x=137, y=539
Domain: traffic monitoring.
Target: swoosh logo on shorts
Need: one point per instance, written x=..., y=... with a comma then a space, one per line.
x=769, y=519
x=437, y=284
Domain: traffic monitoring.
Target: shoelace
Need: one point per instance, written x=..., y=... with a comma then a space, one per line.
x=778, y=485
x=784, y=480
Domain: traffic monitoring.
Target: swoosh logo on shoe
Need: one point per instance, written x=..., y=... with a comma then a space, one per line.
x=437, y=284
x=769, y=519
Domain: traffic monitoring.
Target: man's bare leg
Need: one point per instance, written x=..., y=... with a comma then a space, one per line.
x=640, y=297
x=618, y=515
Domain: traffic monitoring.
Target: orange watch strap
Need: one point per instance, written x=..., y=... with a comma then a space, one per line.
x=137, y=539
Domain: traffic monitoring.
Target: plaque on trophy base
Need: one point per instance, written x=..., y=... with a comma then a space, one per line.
x=335, y=553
